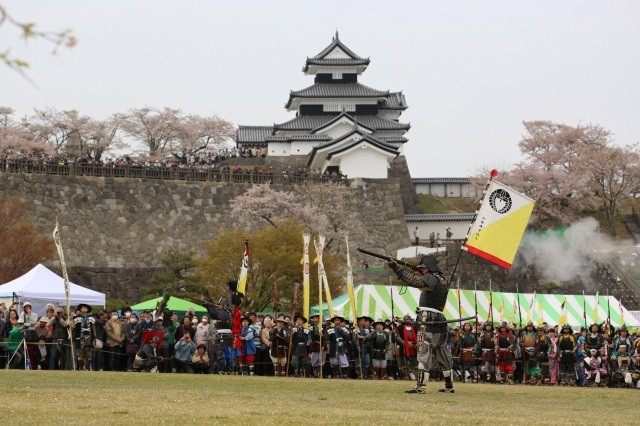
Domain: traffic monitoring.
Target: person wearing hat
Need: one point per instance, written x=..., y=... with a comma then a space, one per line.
x=487, y=346
x=528, y=342
x=363, y=353
x=147, y=358
x=84, y=335
x=299, y=348
x=315, y=331
x=505, y=348
x=378, y=342
x=279, y=339
x=621, y=339
x=596, y=368
x=554, y=367
x=337, y=337
x=567, y=347
x=432, y=346
x=595, y=339
x=246, y=352
x=407, y=338
x=468, y=346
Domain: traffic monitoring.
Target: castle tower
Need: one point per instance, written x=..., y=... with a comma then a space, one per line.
x=340, y=124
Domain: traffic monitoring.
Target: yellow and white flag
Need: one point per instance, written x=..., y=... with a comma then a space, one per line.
x=322, y=275
x=244, y=270
x=350, y=291
x=532, y=308
x=541, y=312
x=306, y=239
x=563, y=313
x=596, y=308
x=621, y=313
x=500, y=222
x=502, y=318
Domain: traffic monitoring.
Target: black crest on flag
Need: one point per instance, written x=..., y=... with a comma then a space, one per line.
x=500, y=201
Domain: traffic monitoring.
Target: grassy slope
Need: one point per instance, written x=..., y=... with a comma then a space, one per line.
x=115, y=398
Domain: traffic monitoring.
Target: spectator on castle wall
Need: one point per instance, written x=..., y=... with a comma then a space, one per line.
x=448, y=234
x=416, y=235
x=432, y=239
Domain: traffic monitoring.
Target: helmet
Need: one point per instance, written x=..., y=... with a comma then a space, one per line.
x=430, y=262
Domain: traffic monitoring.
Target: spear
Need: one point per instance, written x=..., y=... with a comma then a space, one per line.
x=459, y=304
x=490, y=302
x=296, y=290
x=475, y=299
x=608, y=314
x=584, y=310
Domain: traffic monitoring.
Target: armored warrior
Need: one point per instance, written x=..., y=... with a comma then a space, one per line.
x=362, y=334
x=542, y=354
x=487, y=345
x=595, y=339
x=567, y=346
x=84, y=336
x=468, y=343
x=531, y=367
x=315, y=331
x=621, y=362
x=299, y=348
x=337, y=335
x=279, y=346
x=431, y=345
x=379, y=341
x=505, y=346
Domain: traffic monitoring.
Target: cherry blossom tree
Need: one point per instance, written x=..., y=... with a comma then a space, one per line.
x=322, y=208
x=614, y=172
x=201, y=133
x=570, y=170
x=157, y=129
x=15, y=140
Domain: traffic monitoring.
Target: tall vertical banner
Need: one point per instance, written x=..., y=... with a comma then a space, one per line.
x=67, y=287
x=350, y=291
x=306, y=239
x=63, y=265
x=540, y=311
x=499, y=224
x=322, y=274
x=563, y=313
x=596, y=309
x=532, y=308
x=244, y=269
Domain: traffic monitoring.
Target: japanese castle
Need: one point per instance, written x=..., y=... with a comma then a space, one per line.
x=340, y=125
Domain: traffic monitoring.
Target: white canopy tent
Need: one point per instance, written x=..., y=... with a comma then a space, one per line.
x=40, y=286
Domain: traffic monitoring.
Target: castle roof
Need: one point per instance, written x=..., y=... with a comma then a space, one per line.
x=337, y=90
x=442, y=180
x=321, y=59
x=394, y=101
x=346, y=142
x=255, y=134
x=312, y=122
x=439, y=217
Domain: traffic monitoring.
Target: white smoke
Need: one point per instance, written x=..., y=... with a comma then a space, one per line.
x=561, y=257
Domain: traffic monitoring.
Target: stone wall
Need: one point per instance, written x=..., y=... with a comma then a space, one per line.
x=115, y=230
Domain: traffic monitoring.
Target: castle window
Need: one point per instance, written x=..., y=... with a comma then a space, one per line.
x=337, y=76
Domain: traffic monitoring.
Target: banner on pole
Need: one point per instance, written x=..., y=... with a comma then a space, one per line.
x=244, y=270
x=306, y=239
x=499, y=225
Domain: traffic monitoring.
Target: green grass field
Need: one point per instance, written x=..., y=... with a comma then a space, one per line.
x=48, y=397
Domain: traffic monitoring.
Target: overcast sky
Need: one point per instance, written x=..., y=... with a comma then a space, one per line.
x=471, y=71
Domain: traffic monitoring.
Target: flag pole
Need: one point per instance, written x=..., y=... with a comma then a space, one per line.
x=459, y=305
x=321, y=310
x=584, y=310
x=490, y=302
x=493, y=174
x=67, y=290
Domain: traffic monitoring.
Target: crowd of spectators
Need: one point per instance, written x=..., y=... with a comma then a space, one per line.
x=123, y=340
